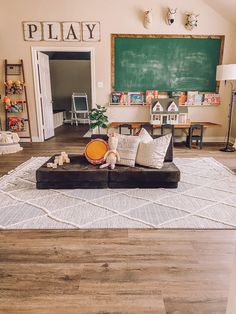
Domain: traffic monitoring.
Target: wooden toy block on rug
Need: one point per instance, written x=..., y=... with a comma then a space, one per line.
x=59, y=160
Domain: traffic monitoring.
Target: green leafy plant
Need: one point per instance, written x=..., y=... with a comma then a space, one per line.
x=98, y=118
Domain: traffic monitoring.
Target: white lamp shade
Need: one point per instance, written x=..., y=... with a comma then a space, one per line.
x=226, y=72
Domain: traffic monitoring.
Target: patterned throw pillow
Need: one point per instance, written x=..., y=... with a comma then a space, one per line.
x=151, y=153
x=127, y=148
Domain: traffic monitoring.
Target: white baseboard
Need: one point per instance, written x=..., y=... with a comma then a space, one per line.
x=27, y=140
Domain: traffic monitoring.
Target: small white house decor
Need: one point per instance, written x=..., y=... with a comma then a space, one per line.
x=61, y=31
x=166, y=111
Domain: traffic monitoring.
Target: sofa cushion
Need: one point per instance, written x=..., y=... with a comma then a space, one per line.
x=142, y=177
x=152, y=153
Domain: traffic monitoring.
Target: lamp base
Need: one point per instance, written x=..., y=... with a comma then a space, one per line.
x=228, y=149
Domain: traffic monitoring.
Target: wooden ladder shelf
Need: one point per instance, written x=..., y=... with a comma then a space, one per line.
x=15, y=72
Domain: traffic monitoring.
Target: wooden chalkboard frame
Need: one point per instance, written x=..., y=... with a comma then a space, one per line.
x=114, y=36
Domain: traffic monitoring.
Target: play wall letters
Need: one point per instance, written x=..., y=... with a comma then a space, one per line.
x=61, y=31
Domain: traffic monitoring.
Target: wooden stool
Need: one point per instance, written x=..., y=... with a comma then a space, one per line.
x=195, y=134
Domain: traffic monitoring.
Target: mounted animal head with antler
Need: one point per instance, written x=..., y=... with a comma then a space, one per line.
x=147, y=18
x=170, y=17
x=192, y=20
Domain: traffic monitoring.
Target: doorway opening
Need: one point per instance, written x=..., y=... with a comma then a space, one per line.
x=58, y=73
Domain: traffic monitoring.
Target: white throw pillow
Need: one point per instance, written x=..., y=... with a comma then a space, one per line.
x=152, y=153
x=144, y=136
x=127, y=148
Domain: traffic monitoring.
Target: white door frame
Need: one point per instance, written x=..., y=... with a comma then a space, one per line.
x=34, y=51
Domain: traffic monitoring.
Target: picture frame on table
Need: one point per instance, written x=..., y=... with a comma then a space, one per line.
x=136, y=98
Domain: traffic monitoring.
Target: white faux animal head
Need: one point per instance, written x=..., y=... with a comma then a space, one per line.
x=170, y=18
x=147, y=19
x=192, y=20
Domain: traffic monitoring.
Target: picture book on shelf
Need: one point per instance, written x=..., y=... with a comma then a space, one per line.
x=119, y=98
x=136, y=98
x=212, y=99
x=190, y=98
x=124, y=98
x=150, y=96
x=197, y=99
x=182, y=99
x=115, y=97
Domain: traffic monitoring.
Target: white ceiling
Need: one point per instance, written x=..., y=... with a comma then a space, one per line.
x=227, y=8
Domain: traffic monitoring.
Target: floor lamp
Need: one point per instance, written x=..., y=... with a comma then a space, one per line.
x=226, y=73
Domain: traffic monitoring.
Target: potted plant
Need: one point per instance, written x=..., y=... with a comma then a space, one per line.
x=98, y=118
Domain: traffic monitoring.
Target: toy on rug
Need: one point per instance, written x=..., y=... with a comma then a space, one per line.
x=112, y=156
x=59, y=160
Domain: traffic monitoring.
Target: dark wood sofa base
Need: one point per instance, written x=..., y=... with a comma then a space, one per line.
x=79, y=174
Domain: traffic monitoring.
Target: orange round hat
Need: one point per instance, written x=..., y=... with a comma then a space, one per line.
x=95, y=151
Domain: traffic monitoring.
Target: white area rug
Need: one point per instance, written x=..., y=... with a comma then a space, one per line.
x=205, y=198
x=88, y=134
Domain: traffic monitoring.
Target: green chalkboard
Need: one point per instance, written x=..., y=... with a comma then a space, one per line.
x=165, y=63
x=80, y=102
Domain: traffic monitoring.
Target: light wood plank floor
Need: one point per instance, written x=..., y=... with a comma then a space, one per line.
x=114, y=271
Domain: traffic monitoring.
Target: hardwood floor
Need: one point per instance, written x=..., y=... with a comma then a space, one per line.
x=113, y=271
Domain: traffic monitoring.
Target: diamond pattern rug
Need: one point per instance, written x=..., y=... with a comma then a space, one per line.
x=205, y=199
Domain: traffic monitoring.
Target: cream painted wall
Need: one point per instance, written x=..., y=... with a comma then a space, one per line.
x=116, y=17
